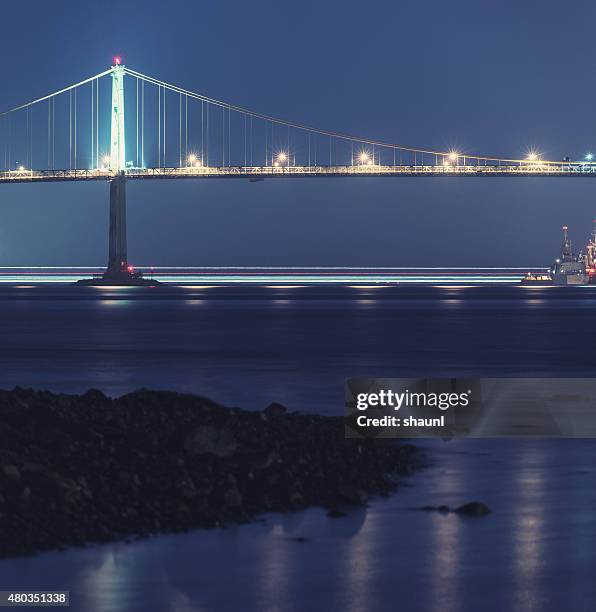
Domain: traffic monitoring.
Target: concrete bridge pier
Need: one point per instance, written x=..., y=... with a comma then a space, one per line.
x=118, y=271
x=117, y=258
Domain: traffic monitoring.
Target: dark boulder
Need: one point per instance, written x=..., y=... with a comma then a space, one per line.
x=275, y=410
x=212, y=440
x=473, y=509
x=95, y=469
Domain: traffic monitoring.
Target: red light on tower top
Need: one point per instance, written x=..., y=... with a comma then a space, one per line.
x=117, y=60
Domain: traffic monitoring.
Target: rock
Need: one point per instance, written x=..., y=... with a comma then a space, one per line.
x=213, y=440
x=11, y=471
x=233, y=497
x=353, y=495
x=97, y=469
x=265, y=460
x=335, y=513
x=94, y=395
x=275, y=410
x=33, y=468
x=473, y=509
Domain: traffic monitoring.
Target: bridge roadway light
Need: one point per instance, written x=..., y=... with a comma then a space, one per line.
x=533, y=157
x=589, y=157
x=282, y=158
x=364, y=159
x=452, y=156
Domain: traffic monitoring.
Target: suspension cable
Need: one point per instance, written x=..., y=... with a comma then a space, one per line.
x=319, y=131
x=56, y=93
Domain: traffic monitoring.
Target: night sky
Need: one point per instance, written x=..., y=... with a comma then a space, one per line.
x=485, y=78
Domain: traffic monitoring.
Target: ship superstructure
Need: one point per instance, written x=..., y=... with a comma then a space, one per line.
x=569, y=268
x=591, y=255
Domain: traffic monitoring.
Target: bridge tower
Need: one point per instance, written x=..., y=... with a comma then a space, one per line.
x=117, y=137
x=117, y=258
x=118, y=271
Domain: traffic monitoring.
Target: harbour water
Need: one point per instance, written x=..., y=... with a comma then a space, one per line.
x=250, y=345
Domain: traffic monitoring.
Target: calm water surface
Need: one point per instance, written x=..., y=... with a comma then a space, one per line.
x=253, y=345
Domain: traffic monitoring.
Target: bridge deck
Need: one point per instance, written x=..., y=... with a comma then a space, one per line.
x=256, y=173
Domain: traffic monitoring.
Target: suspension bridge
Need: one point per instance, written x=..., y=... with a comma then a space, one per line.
x=82, y=133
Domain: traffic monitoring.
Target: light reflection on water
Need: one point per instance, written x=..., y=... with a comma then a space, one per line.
x=528, y=526
x=445, y=533
x=390, y=556
x=536, y=551
x=251, y=346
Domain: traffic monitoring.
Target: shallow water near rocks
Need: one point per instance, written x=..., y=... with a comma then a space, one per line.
x=535, y=551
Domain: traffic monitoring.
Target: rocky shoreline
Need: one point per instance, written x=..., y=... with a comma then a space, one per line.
x=77, y=469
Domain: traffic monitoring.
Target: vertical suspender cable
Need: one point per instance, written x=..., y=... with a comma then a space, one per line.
x=75, y=129
x=92, y=126
x=143, y=124
x=70, y=130
x=207, y=141
x=97, y=122
x=159, y=126
x=27, y=116
x=137, y=122
x=53, y=133
x=49, y=125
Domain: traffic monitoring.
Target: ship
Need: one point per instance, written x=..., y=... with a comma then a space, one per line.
x=569, y=268
x=540, y=280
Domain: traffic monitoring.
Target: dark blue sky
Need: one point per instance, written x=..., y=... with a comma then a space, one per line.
x=484, y=78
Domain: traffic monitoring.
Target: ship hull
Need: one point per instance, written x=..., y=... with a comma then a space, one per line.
x=571, y=279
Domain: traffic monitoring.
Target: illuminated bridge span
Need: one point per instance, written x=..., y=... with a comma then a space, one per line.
x=83, y=133
x=256, y=173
